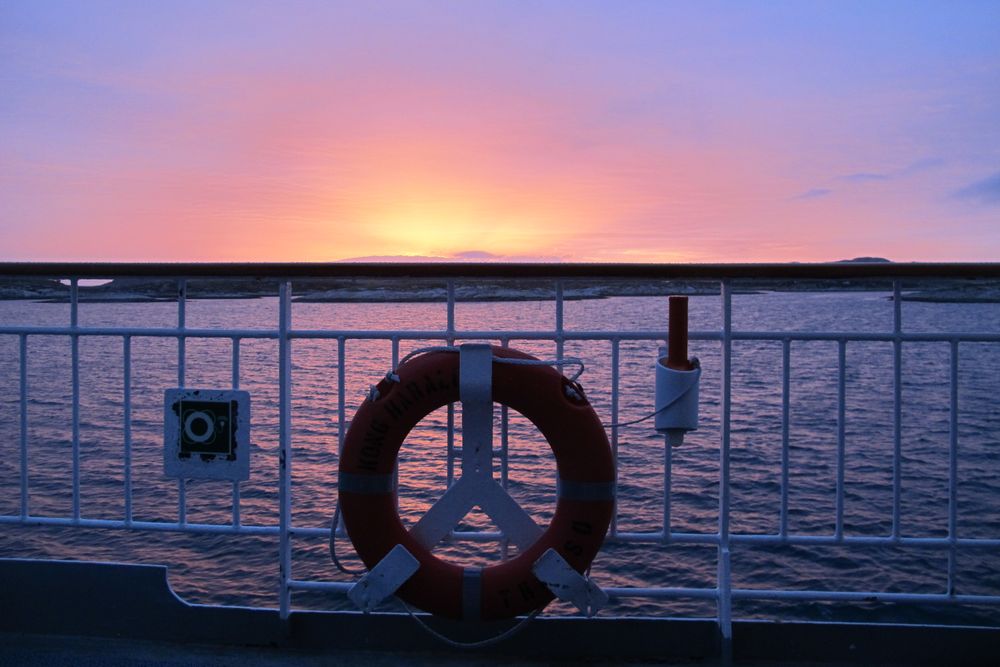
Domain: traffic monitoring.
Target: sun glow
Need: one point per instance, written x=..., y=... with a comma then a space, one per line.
x=447, y=214
x=443, y=228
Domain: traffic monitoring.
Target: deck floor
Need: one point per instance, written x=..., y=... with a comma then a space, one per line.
x=65, y=651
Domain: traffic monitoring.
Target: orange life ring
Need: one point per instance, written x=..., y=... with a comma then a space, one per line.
x=585, y=492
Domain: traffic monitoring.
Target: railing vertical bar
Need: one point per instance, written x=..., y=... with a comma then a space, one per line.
x=786, y=365
x=841, y=433
x=285, y=448
x=451, y=311
x=615, y=380
x=560, y=337
x=724, y=580
x=953, y=470
x=668, y=462
x=341, y=410
x=897, y=406
x=23, y=349
x=182, y=501
x=504, y=435
x=181, y=372
x=395, y=467
x=127, y=424
x=668, y=466
x=341, y=390
x=181, y=326
x=897, y=306
x=236, y=385
x=236, y=503
x=504, y=457
x=451, y=406
x=74, y=300
x=236, y=362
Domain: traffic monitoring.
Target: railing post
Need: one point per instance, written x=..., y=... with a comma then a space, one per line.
x=337, y=528
x=786, y=364
x=23, y=417
x=504, y=458
x=615, y=382
x=560, y=333
x=725, y=600
x=841, y=436
x=181, y=368
x=450, y=340
x=897, y=405
x=236, y=385
x=74, y=302
x=127, y=425
x=953, y=469
x=284, y=447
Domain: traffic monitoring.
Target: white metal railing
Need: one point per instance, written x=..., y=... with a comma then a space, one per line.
x=723, y=593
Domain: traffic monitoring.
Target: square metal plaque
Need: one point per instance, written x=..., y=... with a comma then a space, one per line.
x=206, y=433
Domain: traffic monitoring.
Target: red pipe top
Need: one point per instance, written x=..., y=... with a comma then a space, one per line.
x=677, y=336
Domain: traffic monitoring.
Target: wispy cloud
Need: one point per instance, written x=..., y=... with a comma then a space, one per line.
x=864, y=177
x=915, y=167
x=922, y=165
x=986, y=191
x=815, y=193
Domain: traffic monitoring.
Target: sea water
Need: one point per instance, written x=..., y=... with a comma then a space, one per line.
x=243, y=569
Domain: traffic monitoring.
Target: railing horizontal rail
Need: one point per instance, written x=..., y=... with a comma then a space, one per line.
x=534, y=334
x=623, y=537
x=862, y=596
x=617, y=592
x=826, y=270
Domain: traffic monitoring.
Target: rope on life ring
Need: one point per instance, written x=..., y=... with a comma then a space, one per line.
x=585, y=490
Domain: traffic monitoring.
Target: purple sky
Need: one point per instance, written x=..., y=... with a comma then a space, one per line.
x=586, y=131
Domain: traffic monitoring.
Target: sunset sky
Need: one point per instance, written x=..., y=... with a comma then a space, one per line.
x=569, y=131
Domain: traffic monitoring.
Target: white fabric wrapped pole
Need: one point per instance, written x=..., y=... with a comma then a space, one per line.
x=676, y=400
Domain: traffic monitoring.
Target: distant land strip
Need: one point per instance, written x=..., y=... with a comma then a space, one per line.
x=398, y=290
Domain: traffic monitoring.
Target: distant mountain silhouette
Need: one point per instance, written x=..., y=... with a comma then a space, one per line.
x=865, y=260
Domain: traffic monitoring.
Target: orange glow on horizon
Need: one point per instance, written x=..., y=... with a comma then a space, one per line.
x=446, y=196
x=445, y=219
